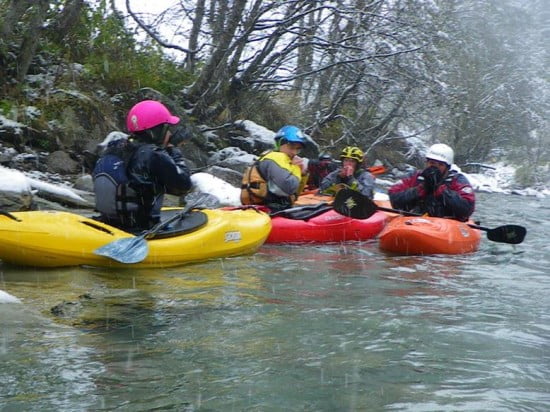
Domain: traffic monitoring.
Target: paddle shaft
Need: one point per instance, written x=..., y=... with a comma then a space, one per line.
x=165, y=223
x=404, y=213
x=8, y=214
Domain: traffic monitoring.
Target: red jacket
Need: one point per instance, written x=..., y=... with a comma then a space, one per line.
x=454, y=198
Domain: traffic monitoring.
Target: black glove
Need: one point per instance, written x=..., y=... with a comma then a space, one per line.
x=430, y=177
x=181, y=134
x=174, y=153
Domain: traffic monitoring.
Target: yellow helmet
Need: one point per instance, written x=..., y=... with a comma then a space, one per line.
x=352, y=152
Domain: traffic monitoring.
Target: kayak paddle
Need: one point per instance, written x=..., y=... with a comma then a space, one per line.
x=135, y=249
x=8, y=214
x=351, y=203
x=304, y=212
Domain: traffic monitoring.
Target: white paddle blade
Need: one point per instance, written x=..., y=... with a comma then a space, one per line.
x=126, y=250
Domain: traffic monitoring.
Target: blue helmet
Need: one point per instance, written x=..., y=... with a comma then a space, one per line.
x=290, y=134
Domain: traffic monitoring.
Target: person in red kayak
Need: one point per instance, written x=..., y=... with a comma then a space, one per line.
x=438, y=190
x=351, y=175
x=278, y=177
x=319, y=169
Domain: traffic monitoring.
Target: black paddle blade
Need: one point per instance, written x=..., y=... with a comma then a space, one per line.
x=351, y=203
x=512, y=234
x=125, y=250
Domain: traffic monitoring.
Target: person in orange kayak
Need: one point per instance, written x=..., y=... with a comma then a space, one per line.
x=437, y=190
x=351, y=175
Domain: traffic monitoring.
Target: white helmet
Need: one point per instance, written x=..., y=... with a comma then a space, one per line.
x=442, y=153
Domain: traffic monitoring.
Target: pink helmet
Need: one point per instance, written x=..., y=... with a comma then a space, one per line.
x=148, y=114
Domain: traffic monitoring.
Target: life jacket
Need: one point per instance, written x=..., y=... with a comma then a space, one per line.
x=253, y=186
x=114, y=198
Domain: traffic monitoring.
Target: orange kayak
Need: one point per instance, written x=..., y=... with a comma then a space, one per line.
x=408, y=235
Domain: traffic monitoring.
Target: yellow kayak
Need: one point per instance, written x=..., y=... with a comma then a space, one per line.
x=55, y=239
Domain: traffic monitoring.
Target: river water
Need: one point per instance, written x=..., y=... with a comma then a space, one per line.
x=291, y=328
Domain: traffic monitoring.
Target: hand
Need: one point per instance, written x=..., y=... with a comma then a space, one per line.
x=181, y=134
x=302, y=162
x=174, y=153
x=431, y=178
x=339, y=186
x=346, y=171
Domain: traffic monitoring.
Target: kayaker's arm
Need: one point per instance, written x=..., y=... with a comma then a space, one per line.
x=281, y=182
x=170, y=170
x=458, y=198
x=365, y=184
x=406, y=193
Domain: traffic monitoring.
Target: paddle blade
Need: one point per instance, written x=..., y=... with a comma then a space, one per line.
x=351, y=203
x=512, y=234
x=126, y=250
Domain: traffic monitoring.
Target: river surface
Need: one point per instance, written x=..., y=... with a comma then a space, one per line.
x=291, y=328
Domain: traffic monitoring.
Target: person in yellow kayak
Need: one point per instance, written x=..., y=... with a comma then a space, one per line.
x=351, y=175
x=132, y=175
x=278, y=176
x=437, y=190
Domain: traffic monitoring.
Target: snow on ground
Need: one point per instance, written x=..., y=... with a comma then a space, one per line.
x=227, y=194
x=14, y=181
x=5, y=297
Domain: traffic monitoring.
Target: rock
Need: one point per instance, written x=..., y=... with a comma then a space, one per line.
x=15, y=191
x=84, y=182
x=60, y=162
x=15, y=202
x=231, y=176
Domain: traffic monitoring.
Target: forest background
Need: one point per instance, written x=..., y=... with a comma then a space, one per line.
x=376, y=74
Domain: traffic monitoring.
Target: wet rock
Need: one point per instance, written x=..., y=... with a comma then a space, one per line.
x=61, y=162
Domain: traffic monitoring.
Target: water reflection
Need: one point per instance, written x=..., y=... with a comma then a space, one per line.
x=331, y=327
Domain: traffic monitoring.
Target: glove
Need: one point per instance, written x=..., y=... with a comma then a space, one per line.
x=174, y=153
x=431, y=178
x=339, y=186
x=181, y=134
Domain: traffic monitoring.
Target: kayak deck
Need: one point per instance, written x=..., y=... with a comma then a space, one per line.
x=428, y=235
x=327, y=227
x=55, y=239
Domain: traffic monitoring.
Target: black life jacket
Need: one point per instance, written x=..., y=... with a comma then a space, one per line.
x=114, y=198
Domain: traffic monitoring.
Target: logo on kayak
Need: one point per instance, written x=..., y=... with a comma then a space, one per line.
x=464, y=231
x=350, y=203
x=330, y=218
x=234, y=236
x=418, y=220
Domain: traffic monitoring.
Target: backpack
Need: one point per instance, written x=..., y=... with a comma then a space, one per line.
x=254, y=186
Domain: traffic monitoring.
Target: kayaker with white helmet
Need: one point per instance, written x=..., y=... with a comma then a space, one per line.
x=132, y=176
x=437, y=190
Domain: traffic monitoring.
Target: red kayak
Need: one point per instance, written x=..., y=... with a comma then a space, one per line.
x=413, y=235
x=327, y=227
